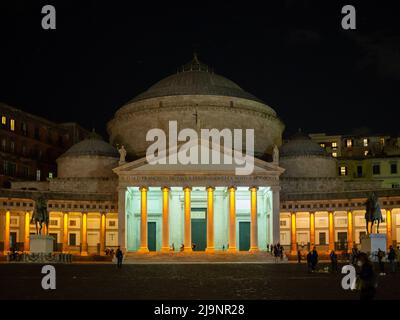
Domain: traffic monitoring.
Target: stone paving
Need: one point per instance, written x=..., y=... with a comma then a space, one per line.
x=287, y=281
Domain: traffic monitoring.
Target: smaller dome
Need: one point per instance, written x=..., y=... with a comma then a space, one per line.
x=92, y=145
x=301, y=145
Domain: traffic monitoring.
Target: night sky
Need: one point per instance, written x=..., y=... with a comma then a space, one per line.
x=294, y=55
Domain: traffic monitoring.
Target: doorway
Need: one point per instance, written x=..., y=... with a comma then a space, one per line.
x=152, y=236
x=244, y=236
x=199, y=228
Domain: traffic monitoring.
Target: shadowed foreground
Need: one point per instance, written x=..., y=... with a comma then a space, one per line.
x=187, y=281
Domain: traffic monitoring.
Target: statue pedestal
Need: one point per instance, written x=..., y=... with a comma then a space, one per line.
x=41, y=244
x=371, y=243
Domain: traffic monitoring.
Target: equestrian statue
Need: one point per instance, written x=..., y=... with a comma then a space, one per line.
x=373, y=213
x=40, y=215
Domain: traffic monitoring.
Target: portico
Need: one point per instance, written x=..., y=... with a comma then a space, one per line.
x=197, y=208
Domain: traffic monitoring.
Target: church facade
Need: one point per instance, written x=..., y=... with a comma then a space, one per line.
x=102, y=198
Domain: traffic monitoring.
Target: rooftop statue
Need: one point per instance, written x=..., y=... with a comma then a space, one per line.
x=122, y=155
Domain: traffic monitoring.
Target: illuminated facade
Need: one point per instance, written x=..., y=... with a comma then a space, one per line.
x=100, y=199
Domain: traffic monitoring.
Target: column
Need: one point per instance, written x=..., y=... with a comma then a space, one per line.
x=143, y=220
x=27, y=228
x=188, y=222
x=350, y=231
x=65, y=233
x=389, y=228
x=312, y=230
x=84, y=245
x=102, y=233
x=232, y=219
x=275, y=215
x=165, y=219
x=253, y=218
x=293, y=240
x=210, y=219
x=7, y=233
x=121, y=218
x=331, y=231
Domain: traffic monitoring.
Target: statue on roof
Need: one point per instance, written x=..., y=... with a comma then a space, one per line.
x=275, y=155
x=122, y=155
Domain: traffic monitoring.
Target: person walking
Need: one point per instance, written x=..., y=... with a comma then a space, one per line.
x=309, y=258
x=314, y=259
x=119, y=255
x=381, y=255
x=334, y=262
x=391, y=258
x=366, y=277
x=298, y=256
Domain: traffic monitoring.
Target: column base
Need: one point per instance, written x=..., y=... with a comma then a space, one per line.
x=187, y=249
x=254, y=249
x=165, y=249
x=232, y=250
x=210, y=250
x=143, y=250
x=84, y=254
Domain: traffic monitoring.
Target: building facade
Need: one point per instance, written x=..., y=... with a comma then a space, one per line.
x=102, y=198
x=30, y=145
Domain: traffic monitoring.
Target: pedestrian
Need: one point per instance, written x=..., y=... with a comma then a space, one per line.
x=298, y=256
x=366, y=277
x=267, y=246
x=119, y=255
x=182, y=247
x=314, y=259
x=391, y=258
x=381, y=255
x=281, y=252
x=334, y=264
x=309, y=257
x=276, y=253
x=397, y=251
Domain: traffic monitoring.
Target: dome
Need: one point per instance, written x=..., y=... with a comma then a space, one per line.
x=303, y=158
x=301, y=145
x=90, y=158
x=92, y=145
x=195, y=78
x=196, y=98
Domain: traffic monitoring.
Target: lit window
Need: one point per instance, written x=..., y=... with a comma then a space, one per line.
x=12, y=124
x=349, y=143
x=50, y=175
x=334, y=144
x=37, y=175
x=365, y=142
x=343, y=171
x=322, y=145
x=383, y=141
x=334, y=154
x=3, y=120
x=366, y=153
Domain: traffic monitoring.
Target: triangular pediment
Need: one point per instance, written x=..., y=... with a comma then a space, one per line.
x=165, y=165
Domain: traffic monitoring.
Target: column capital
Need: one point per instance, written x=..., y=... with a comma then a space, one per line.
x=143, y=189
x=165, y=188
x=210, y=188
x=187, y=188
x=232, y=188
x=252, y=188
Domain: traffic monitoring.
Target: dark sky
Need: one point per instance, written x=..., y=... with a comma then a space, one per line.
x=294, y=55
